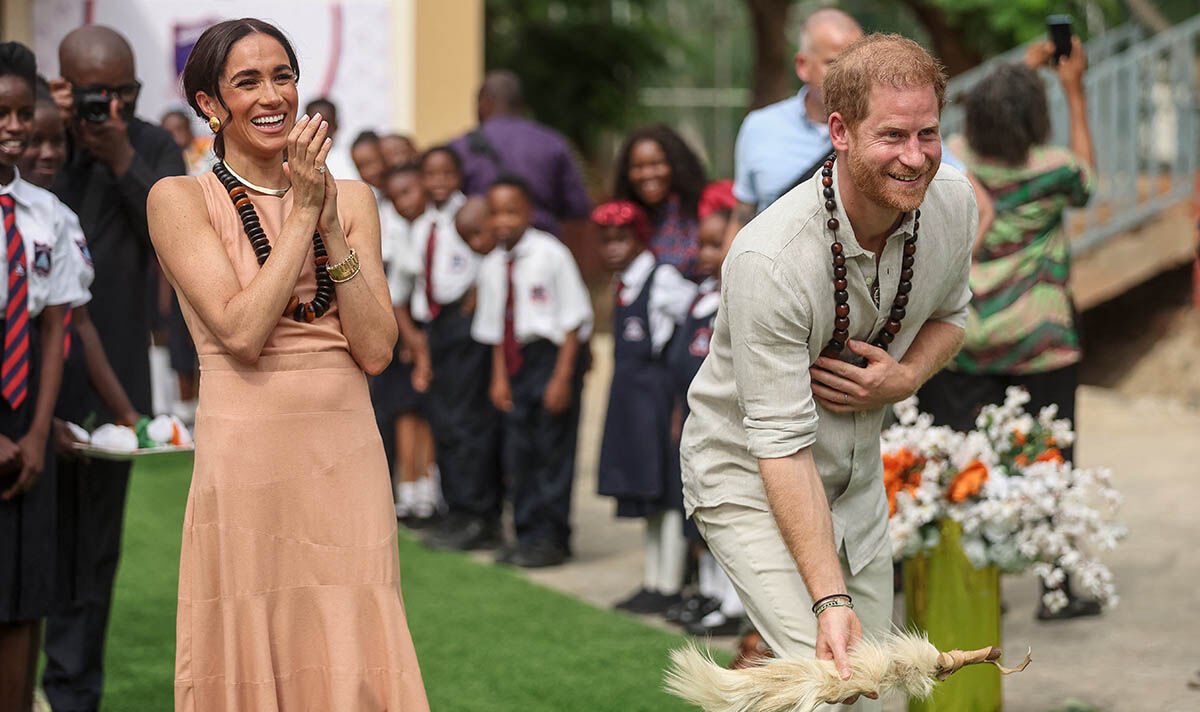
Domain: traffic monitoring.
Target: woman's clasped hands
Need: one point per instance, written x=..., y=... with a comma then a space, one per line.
x=313, y=186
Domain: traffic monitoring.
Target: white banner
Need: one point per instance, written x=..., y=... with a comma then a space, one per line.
x=345, y=49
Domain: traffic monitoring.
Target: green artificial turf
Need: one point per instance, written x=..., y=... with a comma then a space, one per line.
x=487, y=639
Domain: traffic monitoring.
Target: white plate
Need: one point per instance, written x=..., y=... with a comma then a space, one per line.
x=103, y=453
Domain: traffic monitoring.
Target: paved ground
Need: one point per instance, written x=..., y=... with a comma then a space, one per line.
x=1136, y=658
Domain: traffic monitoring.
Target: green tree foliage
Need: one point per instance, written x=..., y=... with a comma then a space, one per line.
x=580, y=66
x=965, y=32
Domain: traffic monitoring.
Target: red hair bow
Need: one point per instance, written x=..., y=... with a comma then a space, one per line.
x=623, y=213
x=717, y=197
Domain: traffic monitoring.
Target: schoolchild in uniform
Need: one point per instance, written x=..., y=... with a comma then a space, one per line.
x=398, y=406
x=85, y=360
x=475, y=227
x=39, y=233
x=716, y=609
x=84, y=357
x=639, y=464
x=535, y=311
x=466, y=428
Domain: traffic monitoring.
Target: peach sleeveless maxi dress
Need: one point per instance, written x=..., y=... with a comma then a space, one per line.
x=289, y=580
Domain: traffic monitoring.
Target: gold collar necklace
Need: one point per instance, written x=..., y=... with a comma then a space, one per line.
x=273, y=192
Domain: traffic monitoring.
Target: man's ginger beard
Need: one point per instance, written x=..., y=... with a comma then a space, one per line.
x=874, y=184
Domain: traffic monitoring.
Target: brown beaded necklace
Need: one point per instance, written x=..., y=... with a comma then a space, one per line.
x=300, y=311
x=841, y=295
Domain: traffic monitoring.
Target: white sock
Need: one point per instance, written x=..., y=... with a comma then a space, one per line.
x=424, y=501
x=653, y=552
x=672, y=553
x=406, y=494
x=164, y=384
x=433, y=478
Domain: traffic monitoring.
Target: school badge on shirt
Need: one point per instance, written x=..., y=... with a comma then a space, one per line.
x=538, y=294
x=634, y=329
x=41, y=259
x=701, y=338
x=458, y=263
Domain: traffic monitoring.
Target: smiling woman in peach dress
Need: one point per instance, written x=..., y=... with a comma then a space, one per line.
x=289, y=583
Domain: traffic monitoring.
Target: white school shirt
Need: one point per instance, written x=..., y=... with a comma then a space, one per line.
x=52, y=238
x=708, y=299
x=395, y=237
x=455, y=264
x=549, y=299
x=670, y=296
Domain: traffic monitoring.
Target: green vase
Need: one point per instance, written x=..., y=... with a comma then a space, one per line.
x=958, y=606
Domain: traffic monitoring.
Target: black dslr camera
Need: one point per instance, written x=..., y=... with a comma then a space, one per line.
x=92, y=104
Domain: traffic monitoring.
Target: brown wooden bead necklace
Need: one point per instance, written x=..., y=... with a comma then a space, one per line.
x=841, y=295
x=298, y=310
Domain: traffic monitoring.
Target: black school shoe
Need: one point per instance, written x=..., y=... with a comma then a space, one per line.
x=715, y=623
x=447, y=527
x=414, y=522
x=471, y=534
x=642, y=601
x=691, y=609
x=1075, y=608
x=536, y=555
x=647, y=602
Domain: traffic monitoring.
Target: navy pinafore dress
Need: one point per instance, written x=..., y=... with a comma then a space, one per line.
x=639, y=462
x=689, y=348
x=685, y=353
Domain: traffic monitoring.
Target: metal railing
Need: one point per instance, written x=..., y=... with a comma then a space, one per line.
x=1098, y=48
x=1145, y=123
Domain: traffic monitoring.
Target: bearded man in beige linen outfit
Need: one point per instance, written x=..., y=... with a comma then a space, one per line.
x=781, y=463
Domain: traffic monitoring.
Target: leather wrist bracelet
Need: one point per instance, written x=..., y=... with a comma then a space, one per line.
x=831, y=597
x=833, y=603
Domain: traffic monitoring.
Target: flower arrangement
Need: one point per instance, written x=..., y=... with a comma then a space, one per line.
x=1020, y=504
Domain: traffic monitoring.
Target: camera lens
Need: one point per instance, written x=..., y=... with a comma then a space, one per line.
x=92, y=106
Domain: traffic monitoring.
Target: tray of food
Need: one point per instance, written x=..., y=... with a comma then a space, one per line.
x=162, y=435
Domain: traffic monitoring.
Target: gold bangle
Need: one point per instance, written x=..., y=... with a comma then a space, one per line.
x=345, y=270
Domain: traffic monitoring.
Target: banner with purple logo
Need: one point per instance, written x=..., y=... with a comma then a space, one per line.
x=345, y=50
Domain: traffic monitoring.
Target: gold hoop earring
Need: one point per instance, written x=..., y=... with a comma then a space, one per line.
x=214, y=124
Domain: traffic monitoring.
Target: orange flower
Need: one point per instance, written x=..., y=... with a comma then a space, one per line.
x=1051, y=455
x=901, y=472
x=1021, y=459
x=1019, y=438
x=968, y=482
x=896, y=463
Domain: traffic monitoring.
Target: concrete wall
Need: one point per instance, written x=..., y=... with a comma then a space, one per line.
x=448, y=54
x=16, y=20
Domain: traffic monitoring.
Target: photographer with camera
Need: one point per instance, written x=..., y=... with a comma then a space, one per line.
x=113, y=158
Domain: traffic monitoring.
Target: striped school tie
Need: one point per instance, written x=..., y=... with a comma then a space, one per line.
x=430, y=244
x=14, y=375
x=513, y=359
x=67, y=333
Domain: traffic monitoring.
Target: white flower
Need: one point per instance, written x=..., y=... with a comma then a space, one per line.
x=976, y=551
x=1054, y=600
x=1047, y=515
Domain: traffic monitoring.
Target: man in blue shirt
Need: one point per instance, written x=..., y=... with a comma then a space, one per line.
x=780, y=145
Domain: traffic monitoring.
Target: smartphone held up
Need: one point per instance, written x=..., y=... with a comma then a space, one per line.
x=1059, y=27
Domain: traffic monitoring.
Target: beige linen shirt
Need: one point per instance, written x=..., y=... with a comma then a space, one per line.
x=752, y=398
